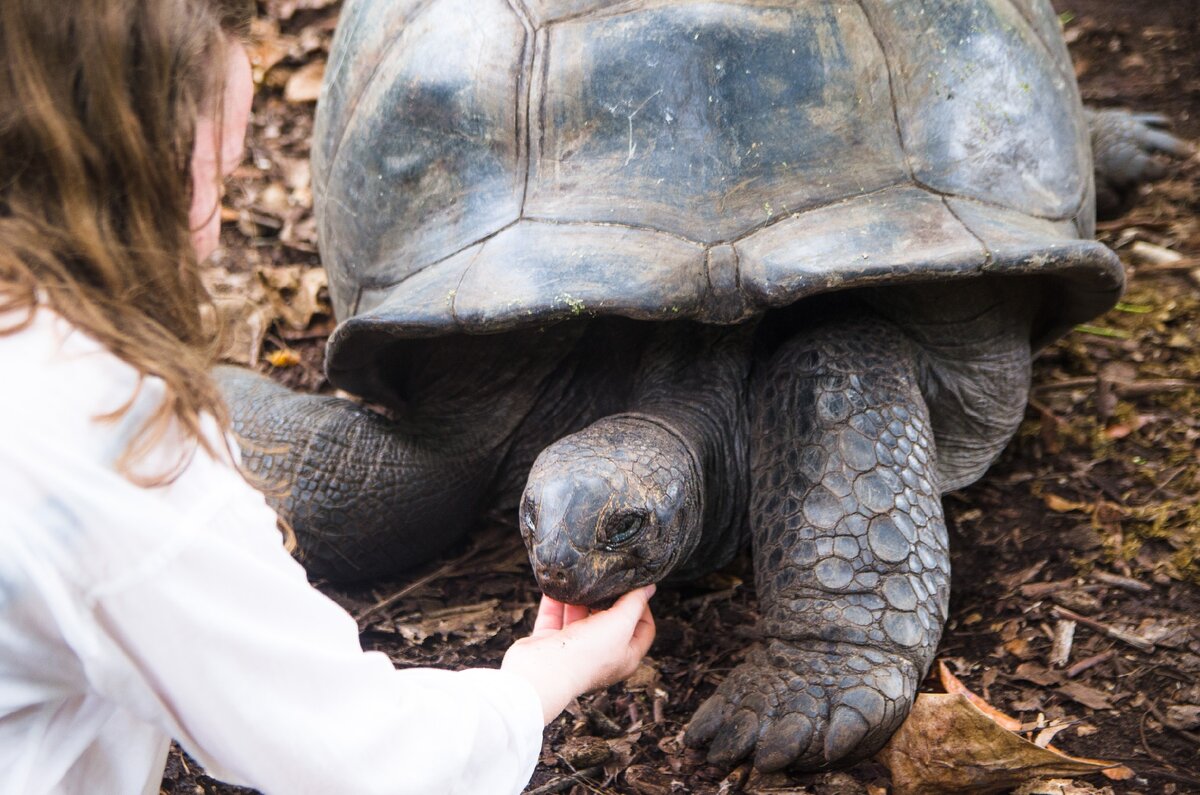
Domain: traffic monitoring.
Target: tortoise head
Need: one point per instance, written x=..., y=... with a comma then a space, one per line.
x=613, y=507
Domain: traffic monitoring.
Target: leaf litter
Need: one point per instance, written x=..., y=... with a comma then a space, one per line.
x=1092, y=510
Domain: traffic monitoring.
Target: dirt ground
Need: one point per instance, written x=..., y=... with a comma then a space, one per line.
x=1091, y=515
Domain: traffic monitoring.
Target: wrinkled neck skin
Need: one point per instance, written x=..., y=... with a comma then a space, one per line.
x=654, y=492
x=694, y=380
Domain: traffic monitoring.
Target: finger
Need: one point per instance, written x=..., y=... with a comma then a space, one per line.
x=618, y=621
x=643, y=633
x=631, y=607
x=575, y=613
x=549, y=617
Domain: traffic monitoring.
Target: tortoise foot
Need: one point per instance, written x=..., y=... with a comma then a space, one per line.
x=806, y=706
x=1125, y=147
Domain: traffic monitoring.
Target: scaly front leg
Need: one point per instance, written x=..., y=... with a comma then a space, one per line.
x=850, y=554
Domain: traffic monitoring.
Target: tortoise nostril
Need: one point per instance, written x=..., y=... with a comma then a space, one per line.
x=553, y=575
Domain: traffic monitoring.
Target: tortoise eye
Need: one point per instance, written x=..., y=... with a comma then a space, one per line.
x=623, y=529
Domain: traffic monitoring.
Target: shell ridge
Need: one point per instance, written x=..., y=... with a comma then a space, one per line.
x=462, y=278
x=783, y=217
x=351, y=111
x=418, y=271
x=988, y=258
x=887, y=65
x=1032, y=29
x=524, y=96
x=539, y=67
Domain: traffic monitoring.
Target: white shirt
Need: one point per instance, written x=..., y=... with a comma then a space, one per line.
x=131, y=615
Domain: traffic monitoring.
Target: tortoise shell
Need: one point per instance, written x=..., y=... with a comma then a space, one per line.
x=484, y=165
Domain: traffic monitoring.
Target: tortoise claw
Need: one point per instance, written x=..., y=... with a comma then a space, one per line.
x=707, y=721
x=783, y=742
x=735, y=739
x=784, y=706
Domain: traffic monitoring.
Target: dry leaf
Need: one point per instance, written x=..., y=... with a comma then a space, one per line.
x=305, y=83
x=1183, y=716
x=948, y=745
x=1038, y=674
x=301, y=235
x=240, y=320
x=273, y=200
x=581, y=752
x=295, y=293
x=1063, y=505
x=286, y=9
x=285, y=357
x=1058, y=786
x=1117, y=431
x=472, y=624
x=645, y=779
x=1088, y=696
x=1046, y=735
x=266, y=47
x=954, y=685
x=240, y=327
x=957, y=742
x=646, y=677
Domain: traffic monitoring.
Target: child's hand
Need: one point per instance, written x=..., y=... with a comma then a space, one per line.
x=573, y=650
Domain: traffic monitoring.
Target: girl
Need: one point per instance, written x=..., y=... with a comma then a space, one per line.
x=144, y=591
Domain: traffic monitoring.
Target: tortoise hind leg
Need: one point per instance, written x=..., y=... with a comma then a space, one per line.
x=850, y=554
x=364, y=497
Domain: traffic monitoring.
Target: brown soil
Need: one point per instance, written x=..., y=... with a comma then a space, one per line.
x=1102, y=480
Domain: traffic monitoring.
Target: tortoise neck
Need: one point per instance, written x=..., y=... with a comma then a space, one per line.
x=692, y=381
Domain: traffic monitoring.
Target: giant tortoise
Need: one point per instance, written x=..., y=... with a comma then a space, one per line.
x=658, y=275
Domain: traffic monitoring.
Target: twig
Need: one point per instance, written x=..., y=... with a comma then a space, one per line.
x=1040, y=590
x=415, y=585
x=1045, y=410
x=704, y=600
x=1128, y=389
x=1064, y=637
x=1130, y=221
x=1185, y=264
x=1133, y=640
x=657, y=708
x=1091, y=662
x=1128, y=583
x=566, y=782
x=1146, y=745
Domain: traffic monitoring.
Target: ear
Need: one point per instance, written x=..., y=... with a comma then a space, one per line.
x=238, y=99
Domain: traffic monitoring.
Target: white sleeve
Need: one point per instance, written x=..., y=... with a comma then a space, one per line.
x=263, y=680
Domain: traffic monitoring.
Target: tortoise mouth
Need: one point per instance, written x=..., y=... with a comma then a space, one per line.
x=583, y=585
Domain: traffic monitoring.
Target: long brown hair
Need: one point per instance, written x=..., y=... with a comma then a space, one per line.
x=98, y=107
